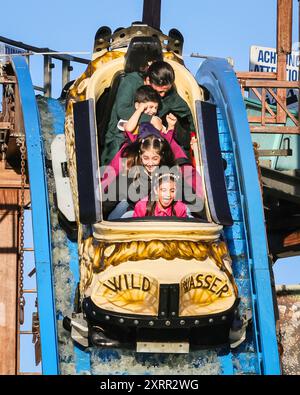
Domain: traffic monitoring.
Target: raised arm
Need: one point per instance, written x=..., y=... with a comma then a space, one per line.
x=175, y=104
x=171, y=121
x=133, y=121
x=125, y=97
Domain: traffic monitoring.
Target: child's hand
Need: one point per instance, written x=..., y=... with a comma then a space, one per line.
x=156, y=122
x=141, y=107
x=171, y=121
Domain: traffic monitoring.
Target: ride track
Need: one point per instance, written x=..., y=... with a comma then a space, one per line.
x=247, y=243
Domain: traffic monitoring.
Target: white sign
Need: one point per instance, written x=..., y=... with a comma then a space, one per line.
x=264, y=59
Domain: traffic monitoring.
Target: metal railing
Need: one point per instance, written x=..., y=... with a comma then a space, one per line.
x=262, y=84
x=48, y=55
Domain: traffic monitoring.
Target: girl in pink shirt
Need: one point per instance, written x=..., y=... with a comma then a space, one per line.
x=164, y=203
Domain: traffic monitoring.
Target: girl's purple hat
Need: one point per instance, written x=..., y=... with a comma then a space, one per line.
x=147, y=129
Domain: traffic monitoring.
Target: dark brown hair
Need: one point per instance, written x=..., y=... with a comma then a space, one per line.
x=161, y=73
x=146, y=93
x=134, y=151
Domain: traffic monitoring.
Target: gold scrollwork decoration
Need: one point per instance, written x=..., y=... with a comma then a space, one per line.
x=97, y=256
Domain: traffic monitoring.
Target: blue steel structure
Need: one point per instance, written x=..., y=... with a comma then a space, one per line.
x=40, y=216
x=219, y=78
x=246, y=238
x=82, y=358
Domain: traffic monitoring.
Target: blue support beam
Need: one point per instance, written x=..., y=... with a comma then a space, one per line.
x=40, y=217
x=218, y=77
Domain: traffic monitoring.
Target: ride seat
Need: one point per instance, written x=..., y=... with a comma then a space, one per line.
x=104, y=107
x=138, y=49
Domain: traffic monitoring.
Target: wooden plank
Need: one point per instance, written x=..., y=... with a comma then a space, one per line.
x=257, y=119
x=283, y=106
x=277, y=248
x=8, y=280
x=6, y=125
x=255, y=75
x=284, y=47
x=263, y=106
x=259, y=96
x=275, y=152
x=284, y=26
x=9, y=178
x=281, y=93
x=271, y=84
x=292, y=239
x=275, y=129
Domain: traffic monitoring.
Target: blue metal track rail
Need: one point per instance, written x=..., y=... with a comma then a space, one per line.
x=40, y=217
x=218, y=77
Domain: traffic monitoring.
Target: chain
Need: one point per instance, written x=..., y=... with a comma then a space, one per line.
x=256, y=154
x=36, y=339
x=21, y=251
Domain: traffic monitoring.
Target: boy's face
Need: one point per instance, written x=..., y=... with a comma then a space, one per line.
x=150, y=107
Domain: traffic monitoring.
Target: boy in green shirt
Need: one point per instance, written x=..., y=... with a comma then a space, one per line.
x=160, y=76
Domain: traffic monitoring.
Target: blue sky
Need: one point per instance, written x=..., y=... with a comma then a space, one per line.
x=217, y=28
